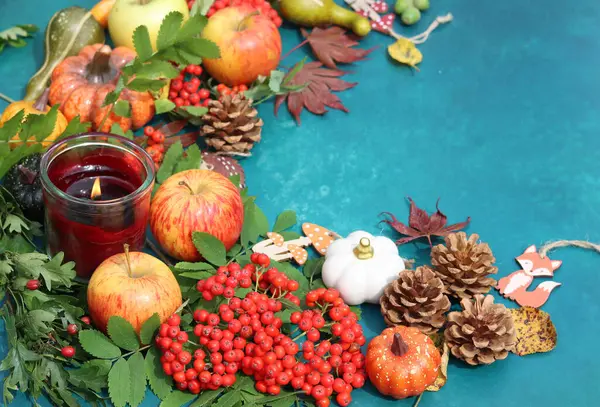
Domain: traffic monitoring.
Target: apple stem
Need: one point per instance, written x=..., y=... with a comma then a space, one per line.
x=185, y=184
x=127, y=259
x=242, y=23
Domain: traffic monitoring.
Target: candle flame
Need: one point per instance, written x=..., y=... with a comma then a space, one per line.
x=96, y=190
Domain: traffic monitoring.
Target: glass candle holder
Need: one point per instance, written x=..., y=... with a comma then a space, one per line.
x=97, y=189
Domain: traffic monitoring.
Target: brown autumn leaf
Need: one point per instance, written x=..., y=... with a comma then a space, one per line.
x=333, y=45
x=535, y=331
x=316, y=96
x=440, y=343
x=420, y=224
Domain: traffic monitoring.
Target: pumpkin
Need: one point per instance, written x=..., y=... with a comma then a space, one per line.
x=81, y=83
x=402, y=362
x=40, y=106
x=361, y=266
x=102, y=10
x=24, y=184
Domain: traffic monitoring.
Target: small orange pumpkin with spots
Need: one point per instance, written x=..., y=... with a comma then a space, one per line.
x=402, y=362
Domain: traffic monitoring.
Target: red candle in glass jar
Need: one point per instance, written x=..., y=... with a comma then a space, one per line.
x=97, y=189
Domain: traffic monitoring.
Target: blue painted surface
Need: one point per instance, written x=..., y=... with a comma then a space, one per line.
x=501, y=123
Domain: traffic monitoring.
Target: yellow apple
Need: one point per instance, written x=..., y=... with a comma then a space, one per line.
x=132, y=286
x=127, y=15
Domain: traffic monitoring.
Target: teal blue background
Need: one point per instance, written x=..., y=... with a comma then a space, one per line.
x=501, y=122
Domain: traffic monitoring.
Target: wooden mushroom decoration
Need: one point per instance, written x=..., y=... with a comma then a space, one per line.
x=320, y=237
x=298, y=253
x=276, y=238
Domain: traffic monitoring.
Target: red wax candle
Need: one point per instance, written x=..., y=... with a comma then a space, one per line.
x=97, y=190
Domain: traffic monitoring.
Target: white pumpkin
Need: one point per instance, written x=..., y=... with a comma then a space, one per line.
x=360, y=266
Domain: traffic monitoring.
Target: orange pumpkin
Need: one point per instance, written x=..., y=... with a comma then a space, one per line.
x=80, y=84
x=402, y=362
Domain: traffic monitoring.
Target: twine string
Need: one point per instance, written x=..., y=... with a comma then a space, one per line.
x=583, y=244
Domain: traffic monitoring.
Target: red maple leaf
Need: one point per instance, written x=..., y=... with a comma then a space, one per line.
x=420, y=224
x=333, y=44
x=316, y=95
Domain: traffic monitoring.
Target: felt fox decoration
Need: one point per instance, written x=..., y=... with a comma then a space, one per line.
x=515, y=285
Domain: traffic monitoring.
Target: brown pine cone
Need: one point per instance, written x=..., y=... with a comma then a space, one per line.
x=232, y=125
x=464, y=265
x=482, y=333
x=416, y=299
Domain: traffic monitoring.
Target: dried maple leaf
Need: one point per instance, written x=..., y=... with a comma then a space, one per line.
x=316, y=95
x=440, y=380
x=535, y=331
x=420, y=224
x=333, y=44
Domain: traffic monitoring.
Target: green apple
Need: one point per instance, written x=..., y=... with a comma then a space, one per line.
x=127, y=15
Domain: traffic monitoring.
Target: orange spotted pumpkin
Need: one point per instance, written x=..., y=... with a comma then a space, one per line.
x=80, y=84
x=402, y=362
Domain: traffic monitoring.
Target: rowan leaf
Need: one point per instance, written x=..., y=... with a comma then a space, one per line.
x=122, y=108
x=137, y=379
x=160, y=383
x=163, y=106
x=333, y=45
x=141, y=42
x=98, y=345
x=122, y=333
x=149, y=328
x=167, y=34
x=207, y=397
x=316, y=96
x=285, y=220
x=119, y=383
x=177, y=399
x=211, y=248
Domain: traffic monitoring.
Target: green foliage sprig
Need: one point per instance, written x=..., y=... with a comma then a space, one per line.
x=15, y=36
x=178, y=44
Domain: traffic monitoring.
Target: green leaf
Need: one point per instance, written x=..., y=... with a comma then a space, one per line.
x=208, y=396
x=290, y=235
x=242, y=292
x=201, y=7
x=191, y=161
x=122, y=108
x=145, y=85
x=149, y=328
x=160, y=383
x=196, y=111
x=255, y=223
x=184, y=265
x=118, y=130
x=92, y=375
x=122, y=333
x=285, y=220
x=169, y=28
x=74, y=127
x=177, y=399
x=111, y=97
x=292, y=273
x=98, y=345
x=235, y=180
x=157, y=70
x=163, y=106
x=200, y=47
x=313, y=267
x=197, y=275
x=275, y=80
x=211, y=248
x=192, y=27
x=284, y=315
x=119, y=383
x=142, y=43
x=137, y=379
x=292, y=73
x=317, y=283
x=172, y=156
x=289, y=305
x=228, y=399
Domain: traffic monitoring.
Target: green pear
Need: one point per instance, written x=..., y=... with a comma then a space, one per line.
x=313, y=13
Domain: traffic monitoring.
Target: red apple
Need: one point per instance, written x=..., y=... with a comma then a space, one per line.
x=249, y=42
x=133, y=286
x=195, y=201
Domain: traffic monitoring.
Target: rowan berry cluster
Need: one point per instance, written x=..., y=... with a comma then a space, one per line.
x=246, y=335
x=155, y=140
x=185, y=90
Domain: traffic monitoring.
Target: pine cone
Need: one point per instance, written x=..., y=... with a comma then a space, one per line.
x=232, y=125
x=464, y=265
x=416, y=299
x=482, y=333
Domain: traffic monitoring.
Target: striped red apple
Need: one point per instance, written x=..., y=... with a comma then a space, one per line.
x=195, y=201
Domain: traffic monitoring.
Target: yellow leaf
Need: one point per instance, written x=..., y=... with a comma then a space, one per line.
x=405, y=52
x=535, y=331
x=441, y=344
